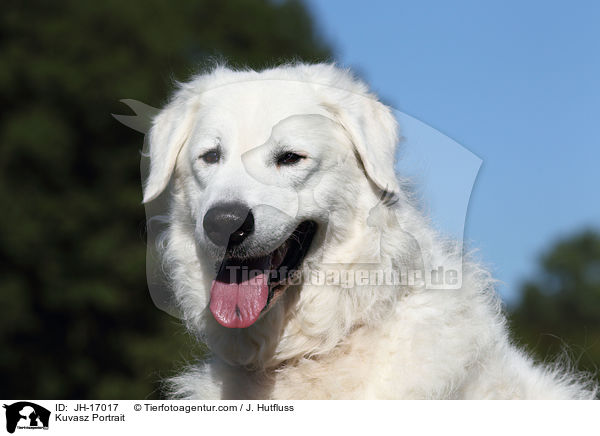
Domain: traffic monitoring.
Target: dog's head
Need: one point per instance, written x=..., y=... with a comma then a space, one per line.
x=257, y=164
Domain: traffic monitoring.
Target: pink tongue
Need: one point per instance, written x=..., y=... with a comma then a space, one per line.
x=237, y=303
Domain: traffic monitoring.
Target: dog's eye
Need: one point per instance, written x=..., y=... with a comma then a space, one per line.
x=289, y=158
x=211, y=156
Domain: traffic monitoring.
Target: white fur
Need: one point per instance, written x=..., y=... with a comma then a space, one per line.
x=325, y=341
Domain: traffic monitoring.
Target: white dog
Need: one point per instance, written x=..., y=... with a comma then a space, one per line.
x=275, y=181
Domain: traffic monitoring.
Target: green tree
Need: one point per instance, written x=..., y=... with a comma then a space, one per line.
x=76, y=319
x=560, y=310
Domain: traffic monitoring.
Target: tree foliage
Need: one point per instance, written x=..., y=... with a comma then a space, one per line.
x=76, y=319
x=560, y=310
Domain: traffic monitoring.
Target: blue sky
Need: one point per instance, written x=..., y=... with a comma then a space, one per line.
x=516, y=83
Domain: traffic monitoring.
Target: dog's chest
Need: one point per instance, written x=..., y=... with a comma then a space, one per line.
x=357, y=371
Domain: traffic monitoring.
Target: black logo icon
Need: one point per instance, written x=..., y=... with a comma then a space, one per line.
x=24, y=414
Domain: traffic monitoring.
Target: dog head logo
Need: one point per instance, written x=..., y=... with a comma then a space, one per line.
x=26, y=415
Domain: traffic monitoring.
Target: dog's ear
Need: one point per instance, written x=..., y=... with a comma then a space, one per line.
x=169, y=132
x=374, y=132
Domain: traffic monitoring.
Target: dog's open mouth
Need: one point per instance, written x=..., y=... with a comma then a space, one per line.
x=244, y=288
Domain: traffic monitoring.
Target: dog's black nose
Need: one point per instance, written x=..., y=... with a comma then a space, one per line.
x=228, y=223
